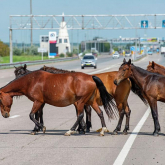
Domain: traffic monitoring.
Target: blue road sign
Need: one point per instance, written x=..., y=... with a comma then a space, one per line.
x=132, y=48
x=144, y=24
x=163, y=23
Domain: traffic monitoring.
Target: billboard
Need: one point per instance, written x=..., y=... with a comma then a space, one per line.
x=52, y=44
x=149, y=39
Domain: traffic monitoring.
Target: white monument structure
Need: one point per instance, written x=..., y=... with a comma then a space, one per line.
x=63, y=43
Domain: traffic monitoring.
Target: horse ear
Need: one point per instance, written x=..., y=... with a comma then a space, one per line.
x=150, y=63
x=124, y=61
x=44, y=67
x=129, y=61
x=153, y=64
x=25, y=66
x=15, y=67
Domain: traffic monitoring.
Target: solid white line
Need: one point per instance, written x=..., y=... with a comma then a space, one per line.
x=14, y=116
x=124, y=152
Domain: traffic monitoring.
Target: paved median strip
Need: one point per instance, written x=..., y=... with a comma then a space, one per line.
x=124, y=152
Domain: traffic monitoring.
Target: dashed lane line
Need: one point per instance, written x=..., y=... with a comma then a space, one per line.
x=14, y=116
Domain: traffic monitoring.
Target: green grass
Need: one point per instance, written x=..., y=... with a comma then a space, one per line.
x=6, y=59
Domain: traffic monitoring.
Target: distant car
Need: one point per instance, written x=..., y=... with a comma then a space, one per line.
x=80, y=54
x=150, y=52
x=127, y=54
x=116, y=55
x=89, y=61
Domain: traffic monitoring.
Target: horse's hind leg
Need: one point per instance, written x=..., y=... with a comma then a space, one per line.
x=88, y=110
x=82, y=125
x=36, y=106
x=38, y=116
x=80, y=115
x=127, y=113
x=100, y=114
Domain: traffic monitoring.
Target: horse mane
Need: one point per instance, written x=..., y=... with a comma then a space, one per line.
x=138, y=91
x=55, y=70
x=135, y=87
x=18, y=78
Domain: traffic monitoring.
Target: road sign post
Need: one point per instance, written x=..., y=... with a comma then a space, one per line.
x=42, y=50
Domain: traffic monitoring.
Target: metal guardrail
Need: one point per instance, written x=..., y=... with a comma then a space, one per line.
x=8, y=65
x=140, y=56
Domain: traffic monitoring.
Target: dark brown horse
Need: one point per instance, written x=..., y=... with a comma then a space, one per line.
x=149, y=86
x=59, y=90
x=156, y=68
x=120, y=93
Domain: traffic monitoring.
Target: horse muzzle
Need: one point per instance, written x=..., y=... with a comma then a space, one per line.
x=5, y=114
x=115, y=82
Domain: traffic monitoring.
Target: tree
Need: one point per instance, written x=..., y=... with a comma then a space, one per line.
x=17, y=51
x=4, y=49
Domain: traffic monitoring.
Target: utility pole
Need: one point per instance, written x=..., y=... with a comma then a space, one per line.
x=31, y=22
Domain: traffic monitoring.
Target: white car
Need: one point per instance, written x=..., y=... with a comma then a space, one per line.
x=127, y=54
x=116, y=55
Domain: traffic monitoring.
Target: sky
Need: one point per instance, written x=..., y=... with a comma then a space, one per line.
x=78, y=7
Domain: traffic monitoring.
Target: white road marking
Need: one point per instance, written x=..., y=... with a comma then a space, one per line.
x=124, y=152
x=14, y=116
x=104, y=69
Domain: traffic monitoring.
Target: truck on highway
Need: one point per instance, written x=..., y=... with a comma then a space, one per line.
x=162, y=50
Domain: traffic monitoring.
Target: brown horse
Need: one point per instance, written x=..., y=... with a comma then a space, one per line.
x=22, y=70
x=59, y=90
x=156, y=68
x=120, y=93
x=150, y=87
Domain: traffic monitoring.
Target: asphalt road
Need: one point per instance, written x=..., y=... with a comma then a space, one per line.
x=139, y=147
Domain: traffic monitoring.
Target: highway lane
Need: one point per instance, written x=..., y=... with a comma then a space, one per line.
x=18, y=147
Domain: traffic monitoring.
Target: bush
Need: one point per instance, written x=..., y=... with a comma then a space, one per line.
x=34, y=50
x=62, y=55
x=17, y=51
x=69, y=54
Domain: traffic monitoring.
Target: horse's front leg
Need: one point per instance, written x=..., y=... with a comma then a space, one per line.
x=154, y=112
x=121, y=114
x=36, y=107
x=88, y=110
x=127, y=113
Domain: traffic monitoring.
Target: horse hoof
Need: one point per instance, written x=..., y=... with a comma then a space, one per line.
x=101, y=134
x=44, y=129
x=106, y=130
x=99, y=130
x=33, y=133
x=155, y=134
x=125, y=133
x=67, y=134
x=115, y=133
x=87, y=130
x=81, y=132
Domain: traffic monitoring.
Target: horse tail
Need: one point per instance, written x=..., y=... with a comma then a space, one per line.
x=107, y=99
